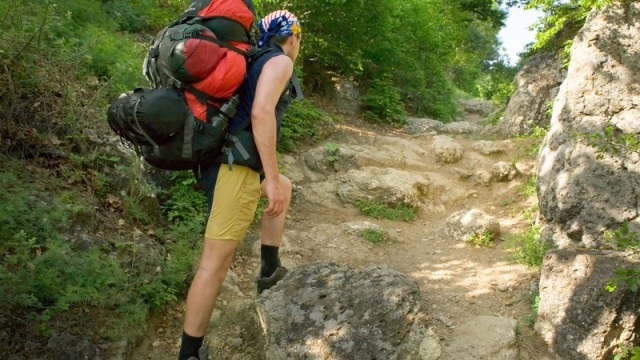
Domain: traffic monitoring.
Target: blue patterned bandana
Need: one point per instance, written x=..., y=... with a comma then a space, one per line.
x=278, y=23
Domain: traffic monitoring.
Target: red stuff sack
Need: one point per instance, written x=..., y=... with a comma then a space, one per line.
x=203, y=53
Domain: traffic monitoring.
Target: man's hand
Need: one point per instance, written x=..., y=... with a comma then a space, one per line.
x=273, y=190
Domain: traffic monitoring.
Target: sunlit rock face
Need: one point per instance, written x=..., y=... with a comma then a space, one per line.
x=581, y=195
x=537, y=85
x=330, y=311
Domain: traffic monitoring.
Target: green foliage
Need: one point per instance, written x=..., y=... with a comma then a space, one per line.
x=382, y=103
x=424, y=46
x=374, y=236
x=497, y=83
x=302, y=120
x=561, y=21
x=528, y=247
x=625, y=239
x=622, y=352
x=494, y=118
x=611, y=141
x=378, y=210
x=528, y=188
x=482, y=239
x=530, y=318
x=333, y=152
x=184, y=202
x=44, y=272
x=537, y=135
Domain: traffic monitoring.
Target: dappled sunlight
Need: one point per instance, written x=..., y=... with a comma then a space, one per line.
x=475, y=278
x=356, y=130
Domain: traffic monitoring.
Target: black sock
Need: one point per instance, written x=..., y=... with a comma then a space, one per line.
x=269, y=260
x=190, y=346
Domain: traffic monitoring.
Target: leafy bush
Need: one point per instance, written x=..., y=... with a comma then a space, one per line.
x=374, y=236
x=302, y=120
x=333, y=151
x=482, y=239
x=381, y=210
x=184, y=201
x=382, y=103
x=528, y=247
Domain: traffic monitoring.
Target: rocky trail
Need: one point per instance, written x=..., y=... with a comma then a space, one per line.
x=477, y=297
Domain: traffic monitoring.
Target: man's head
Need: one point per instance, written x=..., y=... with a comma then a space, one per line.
x=283, y=28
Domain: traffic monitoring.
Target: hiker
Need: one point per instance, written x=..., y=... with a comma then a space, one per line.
x=234, y=189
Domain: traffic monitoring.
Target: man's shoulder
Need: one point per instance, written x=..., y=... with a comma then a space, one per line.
x=279, y=63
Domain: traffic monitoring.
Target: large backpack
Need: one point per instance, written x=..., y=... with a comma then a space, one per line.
x=195, y=65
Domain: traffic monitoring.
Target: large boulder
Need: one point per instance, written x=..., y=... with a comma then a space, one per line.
x=385, y=185
x=329, y=311
x=468, y=225
x=447, y=150
x=484, y=338
x=581, y=195
x=346, y=96
x=577, y=317
x=537, y=85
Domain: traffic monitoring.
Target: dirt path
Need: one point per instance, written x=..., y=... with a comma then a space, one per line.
x=457, y=280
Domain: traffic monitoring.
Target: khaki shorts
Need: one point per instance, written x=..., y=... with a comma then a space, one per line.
x=235, y=199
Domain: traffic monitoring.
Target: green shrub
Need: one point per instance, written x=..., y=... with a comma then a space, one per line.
x=333, y=151
x=374, y=236
x=302, y=120
x=529, y=248
x=184, y=201
x=382, y=103
x=378, y=210
x=530, y=318
x=528, y=188
x=482, y=239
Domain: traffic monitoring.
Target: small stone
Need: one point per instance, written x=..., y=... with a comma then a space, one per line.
x=236, y=342
x=156, y=343
x=503, y=288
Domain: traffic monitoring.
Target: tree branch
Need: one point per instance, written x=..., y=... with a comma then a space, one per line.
x=12, y=91
x=37, y=34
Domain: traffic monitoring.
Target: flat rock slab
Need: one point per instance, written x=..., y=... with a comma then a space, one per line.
x=483, y=338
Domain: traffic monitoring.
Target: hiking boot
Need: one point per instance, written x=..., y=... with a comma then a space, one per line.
x=265, y=283
x=203, y=354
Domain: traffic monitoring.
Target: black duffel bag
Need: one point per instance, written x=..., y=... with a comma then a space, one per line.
x=163, y=130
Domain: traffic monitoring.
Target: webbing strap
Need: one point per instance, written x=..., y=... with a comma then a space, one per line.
x=187, y=146
x=228, y=150
x=202, y=96
x=198, y=35
x=156, y=149
x=296, y=86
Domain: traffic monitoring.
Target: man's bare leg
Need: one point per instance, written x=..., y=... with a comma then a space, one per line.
x=214, y=263
x=273, y=227
x=271, y=270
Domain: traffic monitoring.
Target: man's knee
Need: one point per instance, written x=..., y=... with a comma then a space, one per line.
x=287, y=187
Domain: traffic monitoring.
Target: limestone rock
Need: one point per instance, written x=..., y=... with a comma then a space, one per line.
x=537, y=85
x=476, y=106
x=292, y=168
x=447, y=150
x=465, y=225
x=329, y=311
x=503, y=171
x=462, y=127
x=354, y=227
x=416, y=126
x=582, y=196
x=385, y=185
x=577, y=317
x=72, y=347
x=236, y=313
x=483, y=338
x=346, y=96
x=488, y=147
